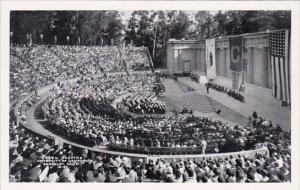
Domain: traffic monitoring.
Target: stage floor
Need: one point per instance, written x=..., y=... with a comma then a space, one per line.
x=258, y=99
x=178, y=95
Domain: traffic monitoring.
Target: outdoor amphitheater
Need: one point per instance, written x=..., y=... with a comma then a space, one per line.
x=105, y=114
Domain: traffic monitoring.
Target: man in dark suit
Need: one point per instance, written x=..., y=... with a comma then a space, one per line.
x=207, y=88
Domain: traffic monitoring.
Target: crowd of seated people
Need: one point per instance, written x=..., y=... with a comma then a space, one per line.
x=223, y=89
x=195, y=77
x=144, y=103
x=34, y=158
x=37, y=66
x=82, y=111
x=98, y=123
x=185, y=110
x=165, y=75
x=136, y=58
x=158, y=88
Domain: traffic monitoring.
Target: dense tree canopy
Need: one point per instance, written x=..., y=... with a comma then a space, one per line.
x=141, y=28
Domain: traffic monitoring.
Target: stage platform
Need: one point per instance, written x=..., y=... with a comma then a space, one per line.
x=256, y=98
x=178, y=95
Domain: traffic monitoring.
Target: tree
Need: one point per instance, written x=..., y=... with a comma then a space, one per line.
x=30, y=22
x=179, y=24
x=140, y=29
x=203, y=23
x=100, y=27
x=221, y=21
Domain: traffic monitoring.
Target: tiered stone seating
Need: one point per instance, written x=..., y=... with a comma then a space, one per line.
x=191, y=100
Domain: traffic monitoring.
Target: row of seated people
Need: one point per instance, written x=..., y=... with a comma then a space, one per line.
x=223, y=89
x=135, y=58
x=37, y=66
x=144, y=103
x=34, y=158
x=195, y=77
x=158, y=88
x=165, y=75
x=65, y=112
x=86, y=104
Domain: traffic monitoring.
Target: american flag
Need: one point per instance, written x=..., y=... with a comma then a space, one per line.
x=279, y=55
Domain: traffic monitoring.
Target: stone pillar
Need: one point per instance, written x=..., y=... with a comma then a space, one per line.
x=235, y=80
x=195, y=60
x=198, y=59
x=180, y=62
x=202, y=60
x=170, y=58
x=223, y=62
x=260, y=68
x=218, y=61
x=176, y=57
x=227, y=63
x=249, y=65
x=193, y=65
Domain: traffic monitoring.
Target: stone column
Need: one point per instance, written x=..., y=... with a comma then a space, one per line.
x=170, y=58
x=249, y=65
x=194, y=68
x=198, y=59
x=202, y=60
x=227, y=61
x=235, y=80
x=223, y=62
x=218, y=61
x=260, y=68
x=179, y=62
x=176, y=56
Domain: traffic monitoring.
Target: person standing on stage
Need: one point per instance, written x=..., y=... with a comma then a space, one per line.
x=207, y=88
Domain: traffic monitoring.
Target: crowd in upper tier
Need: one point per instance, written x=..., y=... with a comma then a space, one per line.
x=37, y=66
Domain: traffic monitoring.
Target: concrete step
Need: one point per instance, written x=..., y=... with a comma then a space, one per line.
x=195, y=101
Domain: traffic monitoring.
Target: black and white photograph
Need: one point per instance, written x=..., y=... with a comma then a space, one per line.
x=150, y=96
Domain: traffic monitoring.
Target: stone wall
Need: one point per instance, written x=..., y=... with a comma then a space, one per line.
x=189, y=56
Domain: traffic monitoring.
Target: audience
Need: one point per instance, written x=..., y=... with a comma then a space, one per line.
x=144, y=103
x=34, y=67
x=195, y=77
x=230, y=92
x=83, y=111
x=37, y=159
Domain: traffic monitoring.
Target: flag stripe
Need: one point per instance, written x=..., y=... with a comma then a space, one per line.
x=277, y=78
x=282, y=78
x=287, y=70
x=286, y=81
x=289, y=81
x=273, y=76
